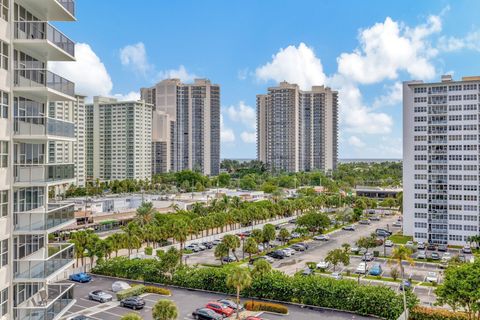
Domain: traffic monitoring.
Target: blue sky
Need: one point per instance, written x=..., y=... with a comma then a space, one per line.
x=364, y=49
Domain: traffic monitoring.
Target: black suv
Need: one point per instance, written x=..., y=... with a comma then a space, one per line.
x=277, y=254
x=133, y=302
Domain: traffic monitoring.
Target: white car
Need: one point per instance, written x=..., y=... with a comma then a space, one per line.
x=409, y=244
x=337, y=276
x=431, y=277
x=322, y=237
x=362, y=268
x=421, y=255
x=290, y=250
x=288, y=253
x=389, y=243
x=323, y=265
x=447, y=256
x=467, y=249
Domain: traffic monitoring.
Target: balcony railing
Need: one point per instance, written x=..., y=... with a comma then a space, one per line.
x=45, y=218
x=37, y=78
x=69, y=5
x=47, y=304
x=44, y=173
x=59, y=256
x=42, y=30
x=32, y=126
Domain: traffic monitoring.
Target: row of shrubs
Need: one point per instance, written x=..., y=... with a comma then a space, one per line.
x=158, y=290
x=265, y=306
x=316, y=291
x=423, y=313
x=130, y=292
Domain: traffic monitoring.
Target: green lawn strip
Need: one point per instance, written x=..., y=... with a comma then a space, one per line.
x=400, y=239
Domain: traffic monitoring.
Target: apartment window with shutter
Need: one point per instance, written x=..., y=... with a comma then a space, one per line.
x=4, y=302
x=3, y=154
x=3, y=203
x=4, y=9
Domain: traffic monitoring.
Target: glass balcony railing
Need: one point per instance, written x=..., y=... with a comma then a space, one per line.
x=37, y=78
x=59, y=256
x=44, y=173
x=69, y=5
x=46, y=304
x=32, y=126
x=42, y=30
x=44, y=218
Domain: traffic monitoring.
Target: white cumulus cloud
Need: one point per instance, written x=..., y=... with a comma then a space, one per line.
x=393, y=96
x=294, y=64
x=356, y=142
x=130, y=96
x=135, y=57
x=243, y=114
x=180, y=73
x=248, y=137
x=226, y=134
x=470, y=41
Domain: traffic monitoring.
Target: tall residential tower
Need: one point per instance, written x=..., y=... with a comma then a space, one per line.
x=31, y=128
x=297, y=130
x=186, y=126
x=440, y=160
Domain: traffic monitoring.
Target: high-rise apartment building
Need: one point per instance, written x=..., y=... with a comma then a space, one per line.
x=297, y=130
x=29, y=125
x=119, y=139
x=440, y=160
x=186, y=126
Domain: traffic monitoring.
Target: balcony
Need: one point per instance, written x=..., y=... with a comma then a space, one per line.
x=42, y=220
x=41, y=39
x=52, y=10
x=43, y=128
x=41, y=84
x=438, y=221
x=60, y=257
x=46, y=174
x=47, y=304
x=438, y=231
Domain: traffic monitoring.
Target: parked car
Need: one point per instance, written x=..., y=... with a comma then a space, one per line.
x=81, y=277
x=431, y=277
x=362, y=268
x=216, y=241
x=421, y=255
x=231, y=304
x=206, y=314
x=297, y=247
x=220, y=308
x=304, y=244
x=266, y=258
x=467, y=249
x=397, y=224
x=383, y=232
x=277, y=254
x=322, y=237
x=208, y=245
x=295, y=235
x=374, y=218
x=447, y=256
x=307, y=272
x=337, y=276
x=442, y=248
x=253, y=318
x=421, y=245
x=100, y=296
x=364, y=221
x=431, y=247
x=368, y=256
x=388, y=243
x=409, y=244
x=349, y=228
x=80, y=317
x=228, y=259
x=133, y=303
x=405, y=285
x=323, y=265
x=192, y=247
x=376, y=270
x=435, y=256
x=355, y=250
x=290, y=251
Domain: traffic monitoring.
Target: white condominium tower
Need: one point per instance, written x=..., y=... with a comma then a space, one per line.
x=118, y=139
x=440, y=160
x=297, y=130
x=29, y=125
x=186, y=126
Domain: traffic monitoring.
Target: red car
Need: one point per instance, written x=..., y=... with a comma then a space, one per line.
x=254, y=318
x=220, y=308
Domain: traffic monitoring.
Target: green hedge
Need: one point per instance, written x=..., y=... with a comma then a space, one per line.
x=325, y=292
x=423, y=313
x=265, y=306
x=158, y=290
x=130, y=292
x=148, y=251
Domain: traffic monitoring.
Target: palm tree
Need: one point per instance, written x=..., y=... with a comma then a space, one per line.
x=80, y=240
x=233, y=243
x=165, y=310
x=181, y=235
x=261, y=268
x=131, y=236
x=116, y=241
x=145, y=213
x=221, y=250
x=239, y=278
x=400, y=254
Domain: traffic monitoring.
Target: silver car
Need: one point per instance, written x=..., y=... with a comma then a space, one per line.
x=100, y=296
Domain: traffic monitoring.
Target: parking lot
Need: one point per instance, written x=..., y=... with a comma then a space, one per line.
x=186, y=300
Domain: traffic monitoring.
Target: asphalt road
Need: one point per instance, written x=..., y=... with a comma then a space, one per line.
x=186, y=300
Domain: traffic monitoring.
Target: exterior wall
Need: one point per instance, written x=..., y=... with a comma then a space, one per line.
x=297, y=130
x=441, y=160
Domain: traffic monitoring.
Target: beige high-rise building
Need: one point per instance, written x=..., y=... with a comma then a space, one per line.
x=31, y=263
x=186, y=126
x=119, y=139
x=297, y=130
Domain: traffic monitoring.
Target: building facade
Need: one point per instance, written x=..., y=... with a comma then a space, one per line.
x=31, y=128
x=186, y=126
x=297, y=130
x=440, y=160
x=119, y=139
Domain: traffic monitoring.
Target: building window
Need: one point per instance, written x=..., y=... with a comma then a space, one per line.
x=4, y=302
x=4, y=54
x=3, y=154
x=3, y=252
x=4, y=9
x=3, y=104
x=3, y=203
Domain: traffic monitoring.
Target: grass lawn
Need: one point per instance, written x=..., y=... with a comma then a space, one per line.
x=400, y=239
